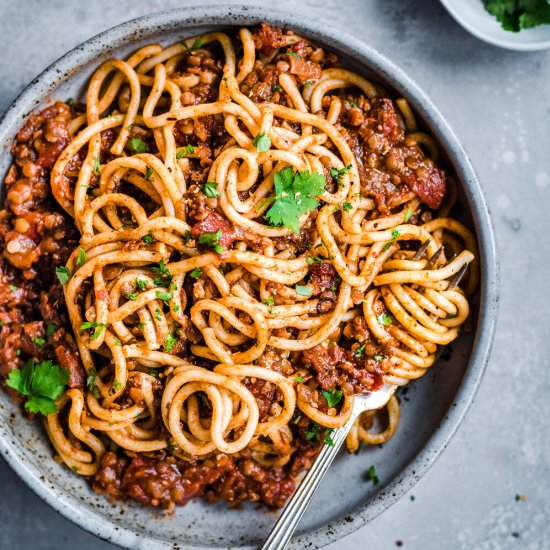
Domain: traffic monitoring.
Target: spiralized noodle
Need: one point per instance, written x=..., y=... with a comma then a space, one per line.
x=176, y=330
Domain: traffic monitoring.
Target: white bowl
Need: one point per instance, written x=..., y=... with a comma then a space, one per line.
x=471, y=14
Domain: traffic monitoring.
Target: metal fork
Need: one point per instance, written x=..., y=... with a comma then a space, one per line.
x=294, y=510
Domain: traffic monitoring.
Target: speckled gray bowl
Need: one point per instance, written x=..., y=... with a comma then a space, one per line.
x=437, y=404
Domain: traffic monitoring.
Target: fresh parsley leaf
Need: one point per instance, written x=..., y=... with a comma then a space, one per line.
x=299, y=379
x=42, y=383
x=136, y=146
x=303, y=290
x=141, y=284
x=63, y=274
x=165, y=277
x=328, y=438
x=187, y=150
x=384, y=320
x=131, y=296
x=196, y=273
x=210, y=189
x=148, y=173
x=148, y=239
x=515, y=15
x=97, y=166
x=294, y=195
x=197, y=44
x=212, y=240
x=359, y=351
x=98, y=327
x=50, y=329
x=117, y=385
x=333, y=397
x=262, y=142
x=347, y=207
x=269, y=301
x=314, y=260
x=408, y=215
x=378, y=357
x=336, y=174
x=313, y=431
x=394, y=234
x=81, y=257
x=90, y=382
x=371, y=474
x=39, y=341
x=163, y=295
x=277, y=88
x=169, y=342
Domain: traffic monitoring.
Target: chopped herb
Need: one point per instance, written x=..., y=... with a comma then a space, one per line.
x=347, y=207
x=81, y=257
x=131, y=295
x=394, y=235
x=17, y=352
x=303, y=290
x=196, y=273
x=136, y=146
x=50, y=329
x=378, y=357
x=337, y=174
x=262, y=143
x=63, y=274
x=98, y=327
x=187, y=150
x=359, y=351
x=117, y=341
x=90, y=382
x=384, y=319
x=148, y=173
x=39, y=341
x=117, y=385
x=197, y=44
x=165, y=276
x=141, y=326
x=163, y=295
x=520, y=498
x=148, y=239
x=141, y=284
x=269, y=301
x=277, y=88
x=210, y=189
x=294, y=195
x=451, y=315
x=333, y=397
x=42, y=383
x=299, y=379
x=328, y=438
x=97, y=166
x=515, y=15
x=212, y=240
x=13, y=288
x=154, y=373
x=69, y=101
x=297, y=419
x=308, y=84
x=412, y=498
x=169, y=342
x=313, y=431
x=157, y=314
x=408, y=215
x=176, y=308
x=292, y=54
x=371, y=474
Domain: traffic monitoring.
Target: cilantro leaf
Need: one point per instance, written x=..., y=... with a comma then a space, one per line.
x=371, y=474
x=169, y=342
x=294, y=195
x=136, y=145
x=394, y=234
x=63, y=274
x=97, y=166
x=359, y=351
x=81, y=258
x=299, y=379
x=328, y=437
x=333, y=397
x=50, y=329
x=148, y=239
x=336, y=174
x=303, y=290
x=262, y=142
x=42, y=383
x=163, y=295
x=210, y=189
x=197, y=44
x=196, y=273
x=515, y=15
x=98, y=327
x=384, y=319
x=212, y=240
x=347, y=207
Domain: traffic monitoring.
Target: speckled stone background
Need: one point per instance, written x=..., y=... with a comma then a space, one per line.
x=498, y=103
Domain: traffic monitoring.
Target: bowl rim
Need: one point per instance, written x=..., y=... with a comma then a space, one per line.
x=507, y=42
x=387, y=71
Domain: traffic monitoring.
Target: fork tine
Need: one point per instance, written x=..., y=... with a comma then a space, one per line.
x=458, y=277
x=433, y=259
x=422, y=250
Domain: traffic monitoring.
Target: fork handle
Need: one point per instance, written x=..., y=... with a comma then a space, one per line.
x=294, y=510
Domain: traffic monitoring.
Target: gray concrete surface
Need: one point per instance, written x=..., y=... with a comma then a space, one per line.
x=497, y=101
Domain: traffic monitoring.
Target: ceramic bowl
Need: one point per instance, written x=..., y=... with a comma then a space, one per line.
x=437, y=403
x=472, y=16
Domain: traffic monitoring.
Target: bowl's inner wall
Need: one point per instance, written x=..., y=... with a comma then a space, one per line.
x=345, y=488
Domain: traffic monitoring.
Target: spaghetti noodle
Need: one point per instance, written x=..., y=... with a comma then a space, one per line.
x=263, y=234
